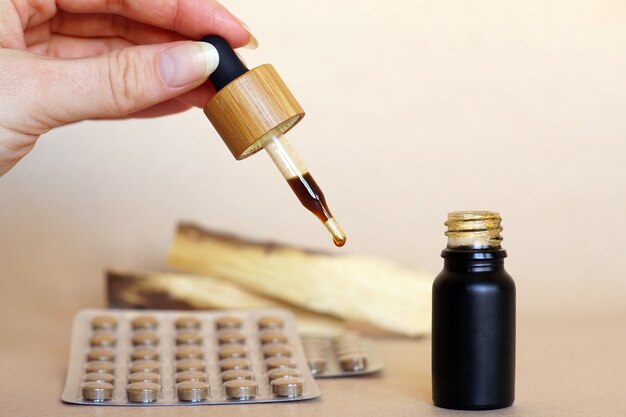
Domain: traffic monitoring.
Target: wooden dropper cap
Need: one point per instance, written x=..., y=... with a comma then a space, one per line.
x=249, y=105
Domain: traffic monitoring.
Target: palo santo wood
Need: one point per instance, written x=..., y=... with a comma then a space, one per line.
x=356, y=288
x=194, y=292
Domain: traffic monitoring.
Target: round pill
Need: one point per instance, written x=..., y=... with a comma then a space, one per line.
x=101, y=354
x=190, y=365
x=317, y=364
x=144, y=366
x=227, y=322
x=147, y=322
x=240, y=389
x=287, y=387
x=144, y=323
x=192, y=391
x=187, y=322
x=145, y=338
x=99, y=377
x=237, y=374
x=189, y=352
x=97, y=391
x=231, y=351
x=280, y=362
x=191, y=376
x=104, y=323
x=188, y=337
x=142, y=392
x=144, y=377
x=100, y=366
x=103, y=338
x=271, y=322
x=234, y=363
x=145, y=353
x=283, y=373
x=353, y=362
x=276, y=350
x=273, y=336
x=230, y=336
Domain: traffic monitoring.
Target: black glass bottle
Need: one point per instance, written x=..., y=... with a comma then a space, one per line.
x=473, y=328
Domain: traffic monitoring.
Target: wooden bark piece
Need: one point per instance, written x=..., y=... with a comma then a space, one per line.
x=194, y=292
x=356, y=288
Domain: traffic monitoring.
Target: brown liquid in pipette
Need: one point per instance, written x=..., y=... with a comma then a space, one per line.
x=311, y=197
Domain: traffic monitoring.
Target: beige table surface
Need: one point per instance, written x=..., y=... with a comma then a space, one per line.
x=566, y=367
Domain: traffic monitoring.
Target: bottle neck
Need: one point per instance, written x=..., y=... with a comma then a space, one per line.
x=468, y=260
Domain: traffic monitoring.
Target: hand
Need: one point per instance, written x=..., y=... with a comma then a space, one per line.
x=68, y=60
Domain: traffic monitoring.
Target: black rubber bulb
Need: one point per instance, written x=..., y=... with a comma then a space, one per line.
x=229, y=67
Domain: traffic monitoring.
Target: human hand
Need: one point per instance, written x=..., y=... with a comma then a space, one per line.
x=67, y=60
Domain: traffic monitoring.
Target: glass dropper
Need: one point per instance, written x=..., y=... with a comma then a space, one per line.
x=302, y=183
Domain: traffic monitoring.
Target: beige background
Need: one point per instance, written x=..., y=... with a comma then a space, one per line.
x=414, y=109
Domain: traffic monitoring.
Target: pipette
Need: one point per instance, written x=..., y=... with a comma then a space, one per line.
x=253, y=109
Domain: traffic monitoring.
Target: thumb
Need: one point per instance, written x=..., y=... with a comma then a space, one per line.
x=124, y=81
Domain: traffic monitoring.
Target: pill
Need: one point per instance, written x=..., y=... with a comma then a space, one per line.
x=287, y=387
x=97, y=391
x=144, y=323
x=144, y=377
x=240, y=389
x=103, y=338
x=144, y=366
x=232, y=351
x=280, y=362
x=283, y=373
x=192, y=391
x=145, y=353
x=104, y=323
x=353, y=362
x=188, y=337
x=189, y=352
x=190, y=376
x=100, y=366
x=273, y=336
x=270, y=322
x=190, y=365
x=187, y=322
x=234, y=363
x=145, y=338
x=276, y=350
x=142, y=392
x=101, y=354
x=230, y=336
x=227, y=322
x=237, y=374
x=99, y=377
x=317, y=364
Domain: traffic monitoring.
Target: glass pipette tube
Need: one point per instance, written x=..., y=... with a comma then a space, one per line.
x=302, y=183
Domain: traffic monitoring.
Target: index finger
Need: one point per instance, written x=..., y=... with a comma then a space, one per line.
x=191, y=18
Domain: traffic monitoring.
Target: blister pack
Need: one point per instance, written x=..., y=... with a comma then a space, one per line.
x=348, y=354
x=141, y=357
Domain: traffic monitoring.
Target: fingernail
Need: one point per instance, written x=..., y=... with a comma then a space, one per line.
x=252, y=42
x=187, y=63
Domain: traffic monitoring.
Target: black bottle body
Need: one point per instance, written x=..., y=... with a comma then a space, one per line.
x=473, y=332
